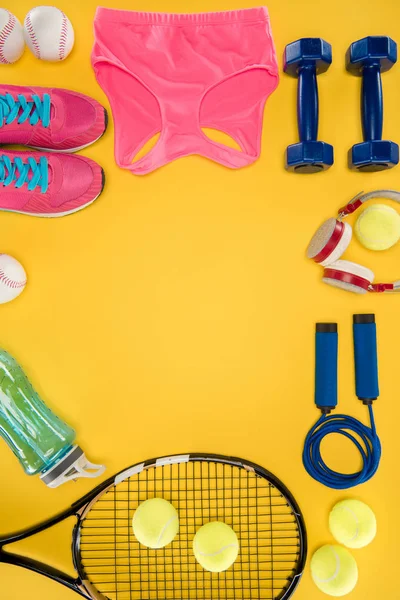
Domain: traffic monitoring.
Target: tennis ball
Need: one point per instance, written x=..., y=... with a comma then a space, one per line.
x=215, y=546
x=155, y=523
x=378, y=227
x=352, y=523
x=334, y=570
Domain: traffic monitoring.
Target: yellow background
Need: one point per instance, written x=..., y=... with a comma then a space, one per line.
x=177, y=313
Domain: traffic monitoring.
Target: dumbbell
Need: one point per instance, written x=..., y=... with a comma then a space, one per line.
x=370, y=57
x=305, y=59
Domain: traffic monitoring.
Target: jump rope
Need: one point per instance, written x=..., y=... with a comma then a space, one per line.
x=364, y=438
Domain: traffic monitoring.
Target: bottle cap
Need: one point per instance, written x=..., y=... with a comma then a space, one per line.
x=72, y=466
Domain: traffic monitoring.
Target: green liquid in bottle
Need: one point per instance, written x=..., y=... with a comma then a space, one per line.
x=38, y=438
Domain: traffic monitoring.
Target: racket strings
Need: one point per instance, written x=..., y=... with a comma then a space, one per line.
x=122, y=569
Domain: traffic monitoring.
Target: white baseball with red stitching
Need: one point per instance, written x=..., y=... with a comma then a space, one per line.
x=48, y=33
x=12, y=278
x=12, y=41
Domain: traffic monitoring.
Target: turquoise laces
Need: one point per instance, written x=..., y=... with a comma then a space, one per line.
x=22, y=109
x=34, y=173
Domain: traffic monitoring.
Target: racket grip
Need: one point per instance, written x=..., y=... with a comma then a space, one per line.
x=326, y=366
x=365, y=358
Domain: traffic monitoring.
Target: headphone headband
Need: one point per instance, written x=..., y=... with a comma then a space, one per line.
x=360, y=198
x=385, y=287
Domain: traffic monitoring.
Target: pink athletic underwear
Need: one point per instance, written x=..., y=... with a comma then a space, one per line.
x=175, y=74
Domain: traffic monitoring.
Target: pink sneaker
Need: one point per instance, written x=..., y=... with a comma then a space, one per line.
x=49, y=118
x=48, y=185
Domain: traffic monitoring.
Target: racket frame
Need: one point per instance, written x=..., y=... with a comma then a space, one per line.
x=80, y=509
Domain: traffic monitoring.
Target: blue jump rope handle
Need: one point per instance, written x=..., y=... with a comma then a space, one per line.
x=364, y=438
x=365, y=358
x=326, y=366
x=372, y=102
x=307, y=103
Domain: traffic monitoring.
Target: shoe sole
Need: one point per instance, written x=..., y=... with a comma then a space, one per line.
x=63, y=214
x=71, y=150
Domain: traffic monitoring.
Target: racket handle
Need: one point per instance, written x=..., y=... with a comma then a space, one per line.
x=365, y=358
x=326, y=366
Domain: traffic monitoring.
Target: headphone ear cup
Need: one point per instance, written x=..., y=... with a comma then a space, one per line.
x=329, y=242
x=349, y=276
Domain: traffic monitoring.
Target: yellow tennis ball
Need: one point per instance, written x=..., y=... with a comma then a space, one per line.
x=334, y=570
x=155, y=523
x=215, y=546
x=378, y=227
x=352, y=523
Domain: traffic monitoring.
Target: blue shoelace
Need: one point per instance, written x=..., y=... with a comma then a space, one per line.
x=21, y=110
x=34, y=173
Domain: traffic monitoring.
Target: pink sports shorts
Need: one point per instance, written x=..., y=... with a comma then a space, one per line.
x=176, y=74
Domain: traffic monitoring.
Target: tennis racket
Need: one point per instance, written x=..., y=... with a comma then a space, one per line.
x=112, y=565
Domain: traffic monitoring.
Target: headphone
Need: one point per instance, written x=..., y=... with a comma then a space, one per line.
x=331, y=241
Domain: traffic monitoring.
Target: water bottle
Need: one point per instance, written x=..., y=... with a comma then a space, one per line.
x=41, y=441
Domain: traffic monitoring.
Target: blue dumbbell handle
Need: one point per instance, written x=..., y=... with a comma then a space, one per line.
x=326, y=366
x=307, y=103
x=372, y=102
x=365, y=357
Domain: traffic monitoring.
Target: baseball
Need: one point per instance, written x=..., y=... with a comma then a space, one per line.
x=48, y=33
x=12, y=278
x=12, y=43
